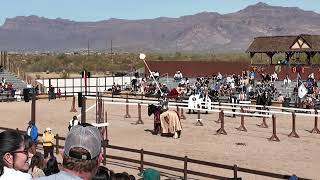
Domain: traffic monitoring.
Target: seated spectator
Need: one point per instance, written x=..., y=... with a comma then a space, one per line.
x=150, y=174
x=122, y=176
x=127, y=87
x=156, y=75
x=3, y=80
x=13, y=156
x=36, y=166
x=219, y=76
x=287, y=81
x=280, y=98
x=103, y=173
x=82, y=154
x=165, y=89
x=51, y=167
x=177, y=76
x=274, y=77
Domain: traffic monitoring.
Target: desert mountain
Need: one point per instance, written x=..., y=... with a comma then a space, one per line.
x=206, y=31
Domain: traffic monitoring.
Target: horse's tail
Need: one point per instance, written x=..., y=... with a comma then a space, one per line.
x=178, y=117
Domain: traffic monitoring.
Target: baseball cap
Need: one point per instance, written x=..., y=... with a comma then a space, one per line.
x=83, y=136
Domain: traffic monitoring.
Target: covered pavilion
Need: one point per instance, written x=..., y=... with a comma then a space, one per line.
x=290, y=45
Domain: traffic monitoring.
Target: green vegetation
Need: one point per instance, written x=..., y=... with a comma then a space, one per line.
x=107, y=63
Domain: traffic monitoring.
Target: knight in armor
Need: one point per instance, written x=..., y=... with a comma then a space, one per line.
x=164, y=105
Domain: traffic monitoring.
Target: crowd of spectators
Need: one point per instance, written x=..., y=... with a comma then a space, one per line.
x=7, y=88
x=20, y=159
x=247, y=86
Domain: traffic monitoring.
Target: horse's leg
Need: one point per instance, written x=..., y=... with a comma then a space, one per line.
x=179, y=133
x=175, y=136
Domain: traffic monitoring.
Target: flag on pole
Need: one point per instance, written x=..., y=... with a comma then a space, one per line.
x=302, y=91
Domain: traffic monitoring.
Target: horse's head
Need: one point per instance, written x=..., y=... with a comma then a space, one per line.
x=151, y=109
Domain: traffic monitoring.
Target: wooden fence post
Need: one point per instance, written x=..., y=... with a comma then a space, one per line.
x=83, y=110
x=141, y=161
x=33, y=108
x=274, y=136
x=106, y=127
x=293, y=132
x=104, y=161
x=235, y=171
x=73, y=106
x=264, y=123
x=185, y=168
x=315, y=128
x=221, y=130
x=242, y=127
x=139, y=115
x=127, y=108
x=57, y=143
x=219, y=119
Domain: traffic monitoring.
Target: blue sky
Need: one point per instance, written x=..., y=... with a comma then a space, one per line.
x=95, y=10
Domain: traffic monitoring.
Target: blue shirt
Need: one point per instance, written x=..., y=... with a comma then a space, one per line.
x=32, y=132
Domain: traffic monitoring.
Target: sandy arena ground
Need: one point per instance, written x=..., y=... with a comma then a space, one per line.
x=298, y=156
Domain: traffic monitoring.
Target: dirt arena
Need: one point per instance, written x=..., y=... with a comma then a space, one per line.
x=298, y=156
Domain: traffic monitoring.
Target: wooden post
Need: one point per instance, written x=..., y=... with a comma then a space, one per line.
x=293, y=132
x=235, y=171
x=57, y=143
x=106, y=127
x=185, y=168
x=141, y=161
x=104, y=160
x=264, y=123
x=127, y=107
x=33, y=109
x=315, y=128
x=221, y=130
x=219, y=119
x=73, y=106
x=139, y=115
x=73, y=87
x=242, y=127
x=274, y=136
x=83, y=110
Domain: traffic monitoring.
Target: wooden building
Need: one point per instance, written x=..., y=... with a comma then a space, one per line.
x=271, y=45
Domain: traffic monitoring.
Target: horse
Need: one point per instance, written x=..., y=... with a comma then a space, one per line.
x=166, y=123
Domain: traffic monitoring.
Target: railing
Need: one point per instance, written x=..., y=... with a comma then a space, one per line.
x=184, y=159
x=94, y=84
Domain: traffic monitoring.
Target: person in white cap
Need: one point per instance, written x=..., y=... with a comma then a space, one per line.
x=48, y=139
x=82, y=154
